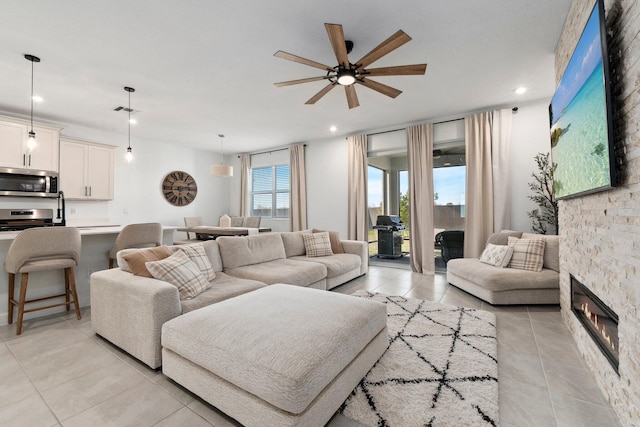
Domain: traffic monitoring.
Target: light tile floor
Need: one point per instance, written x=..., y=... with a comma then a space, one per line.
x=58, y=372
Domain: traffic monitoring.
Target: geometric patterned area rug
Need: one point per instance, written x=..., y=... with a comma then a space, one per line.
x=440, y=368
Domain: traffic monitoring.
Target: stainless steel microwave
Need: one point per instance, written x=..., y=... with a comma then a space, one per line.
x=27, y=182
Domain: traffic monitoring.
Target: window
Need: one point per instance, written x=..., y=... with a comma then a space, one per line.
x=270, y=191
x=449, y=189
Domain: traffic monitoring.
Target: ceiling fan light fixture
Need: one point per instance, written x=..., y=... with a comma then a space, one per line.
x=346, y=77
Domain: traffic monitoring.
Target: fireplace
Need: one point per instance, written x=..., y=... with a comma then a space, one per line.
x=598, y=319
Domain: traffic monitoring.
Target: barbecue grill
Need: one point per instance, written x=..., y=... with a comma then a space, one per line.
x=390, y=236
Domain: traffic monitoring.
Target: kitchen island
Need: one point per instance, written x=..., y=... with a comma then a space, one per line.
x=96, y=243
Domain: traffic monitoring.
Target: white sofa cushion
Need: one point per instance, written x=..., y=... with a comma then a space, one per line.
x=249, y=250
x=282, y=271
x=282, y=343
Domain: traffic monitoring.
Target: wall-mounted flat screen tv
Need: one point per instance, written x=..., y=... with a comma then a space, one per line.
x=581, y=117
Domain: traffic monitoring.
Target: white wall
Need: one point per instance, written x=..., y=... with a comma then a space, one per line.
x=530, y=136
x=326, y=164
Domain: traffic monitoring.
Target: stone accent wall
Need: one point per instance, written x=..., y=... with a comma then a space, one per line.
x=600, y=233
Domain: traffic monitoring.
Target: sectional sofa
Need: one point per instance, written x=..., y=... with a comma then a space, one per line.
x=505, y=285
x=129, y=310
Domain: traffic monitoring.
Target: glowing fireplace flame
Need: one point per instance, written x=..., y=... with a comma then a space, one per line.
x=593, y=318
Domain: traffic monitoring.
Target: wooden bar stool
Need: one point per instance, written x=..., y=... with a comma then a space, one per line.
x=43, y=249
x=136, y=236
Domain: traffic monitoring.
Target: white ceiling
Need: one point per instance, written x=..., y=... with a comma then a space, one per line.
x=204, y=67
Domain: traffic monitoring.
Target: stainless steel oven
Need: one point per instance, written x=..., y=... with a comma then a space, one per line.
x=27, y=182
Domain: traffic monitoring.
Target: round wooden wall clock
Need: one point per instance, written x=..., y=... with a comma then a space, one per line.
x=179, y=188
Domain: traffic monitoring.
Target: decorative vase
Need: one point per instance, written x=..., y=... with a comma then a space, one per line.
x=225, y=221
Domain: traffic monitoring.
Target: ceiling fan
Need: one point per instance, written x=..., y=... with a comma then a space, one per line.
x=347, y=74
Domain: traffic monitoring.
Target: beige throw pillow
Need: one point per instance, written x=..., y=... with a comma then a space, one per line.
x=317, y=244
x=528, y=254
x=198, y=255
x=334, y=238
x=496, y=255
x=136, y=260
x=182, y=273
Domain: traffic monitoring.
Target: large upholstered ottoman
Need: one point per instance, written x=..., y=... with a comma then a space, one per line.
x=282, y=355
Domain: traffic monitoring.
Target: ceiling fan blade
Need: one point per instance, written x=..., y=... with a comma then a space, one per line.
x=352, y=97
x=400, y=70
x=389, y=45
x=320, y=94
x=379, y=87
x=336, y=36
x=300, y=60
x=295, y=82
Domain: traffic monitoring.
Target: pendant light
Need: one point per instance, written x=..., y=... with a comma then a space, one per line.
x=129, y=155
x=221, y=169
x=31, y=142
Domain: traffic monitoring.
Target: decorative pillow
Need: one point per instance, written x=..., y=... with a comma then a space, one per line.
x=136, y=260
x=317, y=244
x=181, y=272
x=198, y=255
x=528, y=254
x=334, y=238
x=497, y=255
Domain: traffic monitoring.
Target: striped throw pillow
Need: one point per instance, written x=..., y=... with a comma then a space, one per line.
x=317, y=244
x=528, y=254
x=181, y=272
x=198, y=255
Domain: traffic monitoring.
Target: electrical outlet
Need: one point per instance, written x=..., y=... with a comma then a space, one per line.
x=72, y=211
x=125, y=211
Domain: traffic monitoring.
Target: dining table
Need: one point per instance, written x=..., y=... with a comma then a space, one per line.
x=209, y=232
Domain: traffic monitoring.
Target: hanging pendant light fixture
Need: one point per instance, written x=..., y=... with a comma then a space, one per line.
x=221, y=169
x=129, y=155
x=31, y=143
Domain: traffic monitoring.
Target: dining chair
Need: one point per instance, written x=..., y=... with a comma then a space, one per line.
x=252, y=222
x=190, y=221
x=43, y=249
x=237, y=221
x=142, y=235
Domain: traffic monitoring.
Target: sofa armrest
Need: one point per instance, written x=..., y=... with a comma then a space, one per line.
x=359, y=248
x=130, y=310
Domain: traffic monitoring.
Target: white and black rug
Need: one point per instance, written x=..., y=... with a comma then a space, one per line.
x=440, y=369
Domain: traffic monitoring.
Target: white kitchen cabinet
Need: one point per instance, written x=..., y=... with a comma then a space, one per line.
x=86, y=170
x=14, y=134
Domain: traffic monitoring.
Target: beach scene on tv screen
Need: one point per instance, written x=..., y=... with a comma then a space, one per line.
x=579, y=135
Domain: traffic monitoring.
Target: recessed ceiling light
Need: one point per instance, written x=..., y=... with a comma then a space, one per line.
x=520, y=90
x=333, y=128
x=37, y=98
x=133, y=121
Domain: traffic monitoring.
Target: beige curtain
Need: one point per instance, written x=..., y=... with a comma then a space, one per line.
x=479, y=199
x=298, y=188
x=420, y=158
x=245, y=185
x=358, y=187
x=501, y=167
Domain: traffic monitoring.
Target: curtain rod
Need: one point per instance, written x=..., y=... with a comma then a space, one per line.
x=396, y=130
x=271, y=151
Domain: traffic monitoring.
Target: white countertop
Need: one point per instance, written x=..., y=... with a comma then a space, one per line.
x=86, y=231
